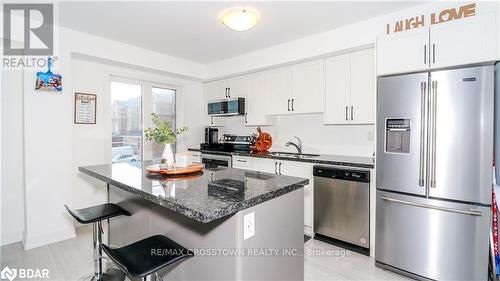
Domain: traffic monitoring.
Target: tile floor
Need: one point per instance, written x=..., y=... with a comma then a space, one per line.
x=72, y=260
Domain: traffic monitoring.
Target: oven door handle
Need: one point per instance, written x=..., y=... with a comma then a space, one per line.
x=217, y=157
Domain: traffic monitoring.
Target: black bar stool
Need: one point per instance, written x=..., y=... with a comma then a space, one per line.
x=95, y=215
x=144, y=258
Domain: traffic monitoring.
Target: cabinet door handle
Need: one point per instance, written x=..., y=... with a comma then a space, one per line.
x=288, y=104
x=433, y=53
x=352, y=112
x=225, y=93
x=246, y=119
x=228, y=92
x=276, y=167
x=212, y=120
x=425, y=54
x=346, y=114
x=280, y=167
x=239, y=160
x=292, y=105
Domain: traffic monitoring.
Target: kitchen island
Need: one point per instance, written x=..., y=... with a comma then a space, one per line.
x=207, y=212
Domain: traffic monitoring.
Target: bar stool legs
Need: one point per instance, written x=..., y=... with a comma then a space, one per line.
x=97, y=239
x=95, y=215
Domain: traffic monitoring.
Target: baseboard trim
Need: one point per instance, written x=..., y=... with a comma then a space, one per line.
x=36, y=241
x=308, y=231
x=12, y=237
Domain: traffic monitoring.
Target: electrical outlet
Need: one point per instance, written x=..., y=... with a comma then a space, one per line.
x=248, y=225
x=370, y=136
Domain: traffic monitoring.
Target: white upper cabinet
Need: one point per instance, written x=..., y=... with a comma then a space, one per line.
x=296, y=89
x=227, y=88
x=213, y=90
x=279, y=90
x=464, y=41
x=256, y=100
x=403, y=52
x=238, y=87
x=338, y=88
x=350, y=88
x=308, y=81
x=363, y=89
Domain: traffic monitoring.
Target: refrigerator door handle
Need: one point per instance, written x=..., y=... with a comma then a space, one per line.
x=471, y=212
x=421, y=174
x=433, y=135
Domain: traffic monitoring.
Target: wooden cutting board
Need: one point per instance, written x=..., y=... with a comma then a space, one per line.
x=193, y=168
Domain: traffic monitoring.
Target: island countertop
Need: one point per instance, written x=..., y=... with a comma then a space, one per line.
x=204, y=197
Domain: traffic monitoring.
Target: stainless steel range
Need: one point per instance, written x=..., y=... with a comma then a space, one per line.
x=218, y=154
x=434, y=173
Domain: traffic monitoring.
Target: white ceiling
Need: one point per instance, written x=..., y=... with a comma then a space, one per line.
x=191, y=30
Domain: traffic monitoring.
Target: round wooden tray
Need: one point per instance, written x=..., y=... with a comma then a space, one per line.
x=193, y=168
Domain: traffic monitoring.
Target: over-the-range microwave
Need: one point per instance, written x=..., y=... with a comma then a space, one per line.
x=227, y=107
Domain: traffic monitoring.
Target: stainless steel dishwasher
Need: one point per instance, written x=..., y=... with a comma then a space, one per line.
x=342, y=206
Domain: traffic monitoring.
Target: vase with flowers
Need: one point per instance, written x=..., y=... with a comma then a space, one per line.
x=163, y=132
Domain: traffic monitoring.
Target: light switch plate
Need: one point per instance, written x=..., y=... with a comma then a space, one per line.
x=248, y=225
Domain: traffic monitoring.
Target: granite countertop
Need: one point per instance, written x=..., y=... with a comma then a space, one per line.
x=206, y=196
x=339, y=160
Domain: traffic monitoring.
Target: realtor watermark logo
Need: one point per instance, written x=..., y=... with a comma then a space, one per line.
x=28, y=31
x=24, y=273
x=37, y=34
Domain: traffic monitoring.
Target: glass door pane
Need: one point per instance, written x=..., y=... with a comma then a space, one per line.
x=163, y=102
x=126, y=122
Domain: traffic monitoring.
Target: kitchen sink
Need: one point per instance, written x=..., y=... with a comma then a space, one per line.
x=293, y=155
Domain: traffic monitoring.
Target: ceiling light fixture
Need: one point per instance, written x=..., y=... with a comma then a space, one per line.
x=239, y=19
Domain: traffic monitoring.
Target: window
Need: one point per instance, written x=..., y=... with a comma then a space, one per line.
x=126, y=121
x=163, y=101
x=132, y=104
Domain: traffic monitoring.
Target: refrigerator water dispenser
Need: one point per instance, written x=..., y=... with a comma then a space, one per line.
x=397, y=135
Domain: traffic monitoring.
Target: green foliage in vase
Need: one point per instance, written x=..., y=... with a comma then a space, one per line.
x=162, y=131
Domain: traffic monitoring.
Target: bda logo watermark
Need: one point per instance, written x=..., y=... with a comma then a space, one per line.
x=8, y=273
x=28, y=31
x=24, y=273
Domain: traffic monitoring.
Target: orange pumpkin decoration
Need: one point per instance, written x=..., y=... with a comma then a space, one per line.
x=263, y=143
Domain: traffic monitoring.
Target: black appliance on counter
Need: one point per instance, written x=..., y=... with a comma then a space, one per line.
x=211, y=135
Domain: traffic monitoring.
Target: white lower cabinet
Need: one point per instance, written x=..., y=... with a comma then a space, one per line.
x=242, y=162
x=302, y=170
x=288, y=168
x=265, y=165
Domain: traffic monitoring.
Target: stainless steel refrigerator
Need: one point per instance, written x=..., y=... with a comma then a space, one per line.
x=434, y=173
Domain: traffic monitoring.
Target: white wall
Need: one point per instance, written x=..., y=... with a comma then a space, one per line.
x=99, y=47
x=336, y=40
x=91, y=144
x=356, y=140
x=12, y=165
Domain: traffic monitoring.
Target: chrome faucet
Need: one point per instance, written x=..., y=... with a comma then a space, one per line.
x=297, y=145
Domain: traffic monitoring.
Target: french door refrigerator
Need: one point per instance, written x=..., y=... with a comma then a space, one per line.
x=434, y=173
